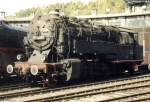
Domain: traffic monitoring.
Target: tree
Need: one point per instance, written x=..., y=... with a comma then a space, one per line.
x=78, y=8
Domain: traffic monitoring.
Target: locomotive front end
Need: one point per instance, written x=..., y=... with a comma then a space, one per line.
x=11, y=44
x=42, y=38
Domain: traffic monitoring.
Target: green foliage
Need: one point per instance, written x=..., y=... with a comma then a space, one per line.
x=78, y=8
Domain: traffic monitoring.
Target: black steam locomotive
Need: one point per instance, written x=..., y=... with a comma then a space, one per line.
x=68, y=48
x=11, y=44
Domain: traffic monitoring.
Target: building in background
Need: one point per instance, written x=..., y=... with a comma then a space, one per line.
x=2, y=15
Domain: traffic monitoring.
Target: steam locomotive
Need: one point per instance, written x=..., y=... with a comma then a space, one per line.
x=11, y=44
x=66, y=49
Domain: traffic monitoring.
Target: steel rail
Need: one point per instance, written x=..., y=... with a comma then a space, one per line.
x=46, y=90
x=93, y=91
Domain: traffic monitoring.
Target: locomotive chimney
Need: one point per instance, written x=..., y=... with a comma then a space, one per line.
x=55, y=12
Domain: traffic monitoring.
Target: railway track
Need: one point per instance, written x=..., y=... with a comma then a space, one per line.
x=143, y=95
x=70, y=92
x=13, y=87
x=131, y=95
x=97, y=90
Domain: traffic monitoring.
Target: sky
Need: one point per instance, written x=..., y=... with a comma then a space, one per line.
x=12, y=6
